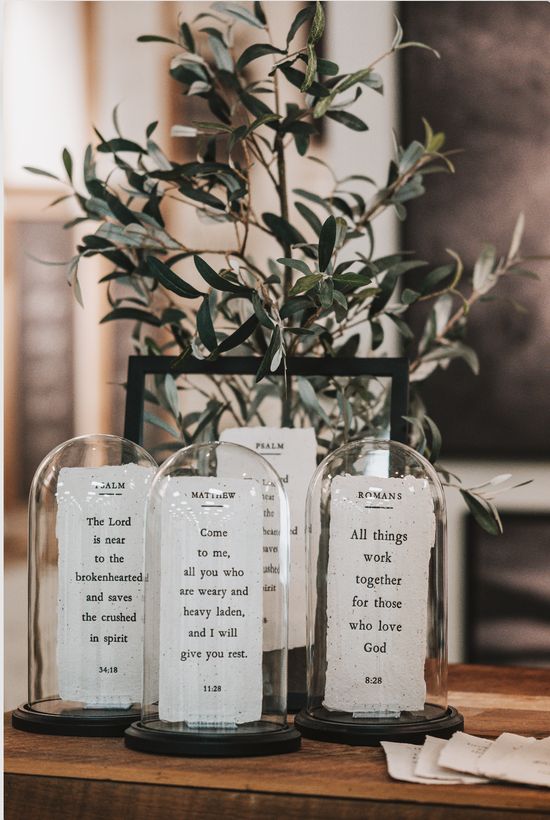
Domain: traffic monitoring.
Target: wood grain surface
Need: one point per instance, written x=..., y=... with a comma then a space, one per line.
x=89, y=778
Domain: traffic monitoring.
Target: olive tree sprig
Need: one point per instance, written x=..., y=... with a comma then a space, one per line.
x=315, y=297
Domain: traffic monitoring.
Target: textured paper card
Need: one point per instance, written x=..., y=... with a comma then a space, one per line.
x=402, y=759
x=381, y=536
x=525, y=762
x=463, y=752
x=211, y=601
x=427, y=764
x=494, y=762
x=530, y=764
x=292, y=452
x=100, y=532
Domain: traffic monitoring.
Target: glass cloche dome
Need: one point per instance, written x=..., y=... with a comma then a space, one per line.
x=377, y=598
x=85, y=565
x=216, y=604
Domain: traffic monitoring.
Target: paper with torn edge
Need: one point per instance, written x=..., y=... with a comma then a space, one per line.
x=100, y=533
x=494, y=762
x=402, y=759
x=530, y=764
x=381, y=537
x=211, y=601
x=427, y=764
x=462, y=752
x=293, y=454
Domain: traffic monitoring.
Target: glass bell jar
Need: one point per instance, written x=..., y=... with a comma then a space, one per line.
x=216, y=606
x=85, y=583
x=377, y=600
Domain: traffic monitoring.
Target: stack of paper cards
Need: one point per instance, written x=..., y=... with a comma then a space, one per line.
x=469, y=759
x=419, y=764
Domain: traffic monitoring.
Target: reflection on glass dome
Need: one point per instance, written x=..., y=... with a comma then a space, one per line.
x=216, y=607
x=86, y=536
x=377, y=617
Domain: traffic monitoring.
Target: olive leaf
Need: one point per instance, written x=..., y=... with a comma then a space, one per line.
x=484, y=512
x=68, y=163
x=302, y=17
x=171, y=392
x=238, y=337
x=254, y=52
x=40, y=172
x=273, y=352
x=305, y=283
x=484, y=277
x=297, y=264
x=349, y=120
x=154, y=38
x=215, y=280
x=171, y=281
x=120, y=144
x=310, y=400
x=240, y=12
x=132, y=313
x=151, y=418
x=517, y=236
x=327, y=240
x=205, y=326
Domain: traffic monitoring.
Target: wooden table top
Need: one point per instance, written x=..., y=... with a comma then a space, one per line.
x=66, y=777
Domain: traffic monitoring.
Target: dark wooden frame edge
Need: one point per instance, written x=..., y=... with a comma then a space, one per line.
x=397, y=368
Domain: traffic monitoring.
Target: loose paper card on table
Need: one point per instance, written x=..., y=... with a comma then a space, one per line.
x=211, y=601
x=494, y=761
x=529, y=764
x=402, y=759
x=100, y=532
x=464, y=752
x=381, y=536
x=427, y=764
x=292, y=452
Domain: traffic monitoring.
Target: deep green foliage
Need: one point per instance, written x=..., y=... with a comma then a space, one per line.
x=316, y=296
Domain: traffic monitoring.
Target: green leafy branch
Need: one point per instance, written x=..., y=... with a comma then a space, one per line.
x=315, y=297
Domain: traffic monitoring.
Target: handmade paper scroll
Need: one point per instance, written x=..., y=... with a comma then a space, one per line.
x=381, y=537
x=211, y=601
x=100, y=532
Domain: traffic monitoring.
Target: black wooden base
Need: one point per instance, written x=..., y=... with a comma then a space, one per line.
x=363, y=734
x=203, y=744
x=27, y=719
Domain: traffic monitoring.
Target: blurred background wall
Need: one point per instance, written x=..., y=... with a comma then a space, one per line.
x=67, y=64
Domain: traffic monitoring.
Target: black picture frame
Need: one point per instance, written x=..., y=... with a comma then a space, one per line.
x=396, y=368
x=489, y=598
